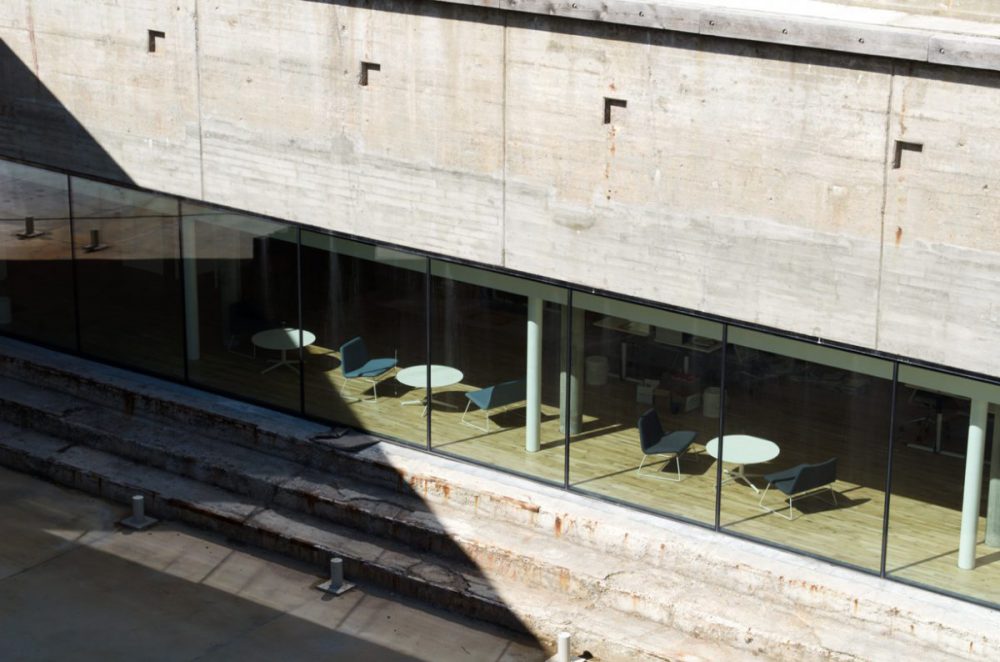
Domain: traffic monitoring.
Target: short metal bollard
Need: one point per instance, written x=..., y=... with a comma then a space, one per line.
x=336, y=584
x=139, y=520
x=562, y=649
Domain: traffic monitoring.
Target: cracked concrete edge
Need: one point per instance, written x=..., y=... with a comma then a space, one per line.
x=859, y=31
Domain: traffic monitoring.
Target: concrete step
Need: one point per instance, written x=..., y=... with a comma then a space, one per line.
x=451, y=585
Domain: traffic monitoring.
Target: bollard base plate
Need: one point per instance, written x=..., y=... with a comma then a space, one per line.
x=343, y=588
x=138, y=523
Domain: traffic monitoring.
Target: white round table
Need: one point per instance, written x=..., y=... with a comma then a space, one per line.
x=741, y=450
x=415, y=376
x=282, y=340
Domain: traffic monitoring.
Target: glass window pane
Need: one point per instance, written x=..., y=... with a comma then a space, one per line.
x=367, y=304
x=36, y=270
x=128, y=276
x=940, y=420
x=496, y=351
x=648, y=381
x=807, y=430
x=242, y=305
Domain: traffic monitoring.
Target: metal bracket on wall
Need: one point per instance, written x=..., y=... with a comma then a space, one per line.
x=903, y=146
x=610, y=103
x=153, y=36
x=365, y=68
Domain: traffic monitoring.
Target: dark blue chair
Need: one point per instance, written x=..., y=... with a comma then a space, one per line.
x=492, y=397
x=800, y=482
x=655, y=441
x=355, y=364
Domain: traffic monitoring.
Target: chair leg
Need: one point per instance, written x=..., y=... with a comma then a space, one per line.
x=473, y=425
x=790, y=516
x=658, y=475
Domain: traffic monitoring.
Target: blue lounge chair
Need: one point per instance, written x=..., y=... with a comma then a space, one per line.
x=493, y=397
x=800, y=482
x=355, y=364
x=655, y=441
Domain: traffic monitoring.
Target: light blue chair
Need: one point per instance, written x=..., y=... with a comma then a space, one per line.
x=355, y=364
x=492, y=397
x=655, y=441
x=800, y=482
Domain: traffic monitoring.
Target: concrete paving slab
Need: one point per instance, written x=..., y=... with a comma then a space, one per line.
x=77, y=588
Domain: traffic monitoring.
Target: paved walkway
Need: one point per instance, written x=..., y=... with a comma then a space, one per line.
x=74, y=586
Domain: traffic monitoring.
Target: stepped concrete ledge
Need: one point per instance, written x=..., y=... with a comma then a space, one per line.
x=922, y=32
x=628, y=585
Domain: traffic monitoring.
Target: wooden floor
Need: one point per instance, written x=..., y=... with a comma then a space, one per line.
x=925, y=507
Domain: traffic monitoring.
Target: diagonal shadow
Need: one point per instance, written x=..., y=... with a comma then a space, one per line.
x=35, y=126
x=109, y=302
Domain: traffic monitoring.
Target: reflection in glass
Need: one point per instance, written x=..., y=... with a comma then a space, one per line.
x=811, y=424
x=128, y=276
x=36, y=271
x=944, y=527
x=365, y=304
x=635, y=362
x=496, y=350
x=243, y=331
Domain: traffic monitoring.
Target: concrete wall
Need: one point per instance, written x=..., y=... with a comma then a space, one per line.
x=744, y=179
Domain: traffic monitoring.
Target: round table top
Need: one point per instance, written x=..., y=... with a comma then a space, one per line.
x=744, y=449
x=441, y=375
x=282, y=339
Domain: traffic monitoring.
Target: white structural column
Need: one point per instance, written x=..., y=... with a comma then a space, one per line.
x=533, y=426
x=190, y=266
x=993, y=501
x=973, y=484
x=572, y=376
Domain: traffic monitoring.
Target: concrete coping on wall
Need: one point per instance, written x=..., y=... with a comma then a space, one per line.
x=805, y=23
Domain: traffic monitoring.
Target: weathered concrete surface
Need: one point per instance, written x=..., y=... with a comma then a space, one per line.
x=729, y=216
x=418, y=152
x=749, y=180
x=73, y=586
x=940, y=263
x=139, y=107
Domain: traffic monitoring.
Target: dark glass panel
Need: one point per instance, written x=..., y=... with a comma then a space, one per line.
x=353, y=291
x=36, y=270
x=129, y=276
x=635, y=362
x=946, y=469
x=243, y=330
x=814, y=421
x=495, y=374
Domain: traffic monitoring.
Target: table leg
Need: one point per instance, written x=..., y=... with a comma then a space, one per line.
x=428, y=397
x=283, y=361
x=739, y=473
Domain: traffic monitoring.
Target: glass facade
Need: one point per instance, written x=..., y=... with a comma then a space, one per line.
x=366, y=304
x=128, y=276
x=242, y=305
x=642, y=375
x=866, y=461
x=822, y=414
x=36, y=256
x=500, y=336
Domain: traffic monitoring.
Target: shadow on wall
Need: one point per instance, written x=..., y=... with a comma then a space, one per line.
x=36, y=127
